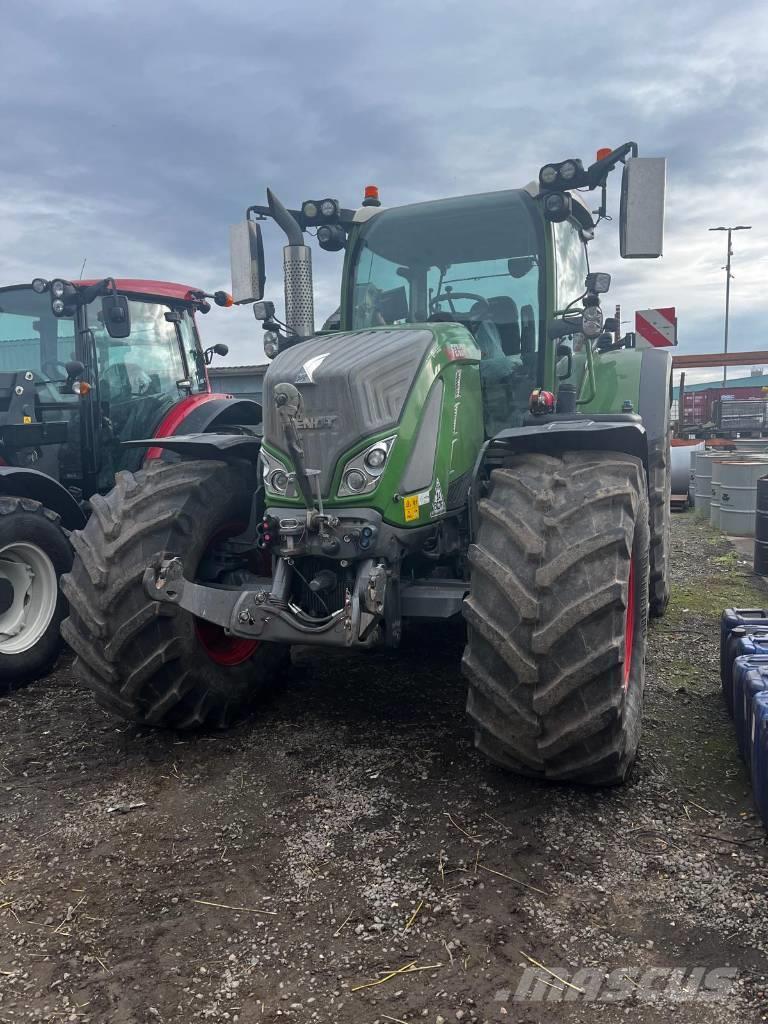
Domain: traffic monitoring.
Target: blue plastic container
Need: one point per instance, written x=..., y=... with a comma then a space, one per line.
x=745, y=621
x=743, y=642
x=750, y=678
x=759, y=745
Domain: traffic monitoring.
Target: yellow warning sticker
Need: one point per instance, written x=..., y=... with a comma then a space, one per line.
x=26, y=419
x=411, y=507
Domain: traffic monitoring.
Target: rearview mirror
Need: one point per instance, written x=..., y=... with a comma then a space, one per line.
x=641, y=217
x=393, y=305
x=116, y=315
x=246, y=255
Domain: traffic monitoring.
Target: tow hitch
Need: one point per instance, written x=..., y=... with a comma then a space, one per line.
x=262, y=611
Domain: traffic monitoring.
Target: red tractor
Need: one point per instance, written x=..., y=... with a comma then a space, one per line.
x=84, y=367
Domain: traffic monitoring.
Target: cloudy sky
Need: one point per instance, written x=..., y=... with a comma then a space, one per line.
x=135, y=132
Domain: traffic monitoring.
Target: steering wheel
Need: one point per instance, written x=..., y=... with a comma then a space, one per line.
x=120, y=378
x=479, y=300
x=55, y=363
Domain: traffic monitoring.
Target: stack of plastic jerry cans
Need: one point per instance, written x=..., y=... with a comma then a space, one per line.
x=744, y=677
x=759, y=763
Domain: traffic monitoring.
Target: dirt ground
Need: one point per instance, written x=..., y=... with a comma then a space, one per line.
x=350, y=829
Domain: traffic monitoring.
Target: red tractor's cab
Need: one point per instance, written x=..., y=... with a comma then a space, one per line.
x=100, y=363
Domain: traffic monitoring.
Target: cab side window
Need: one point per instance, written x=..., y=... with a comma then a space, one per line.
x=571, y=264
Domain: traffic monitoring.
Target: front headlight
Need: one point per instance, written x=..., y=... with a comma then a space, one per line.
x=274, y=473
x=362, y=474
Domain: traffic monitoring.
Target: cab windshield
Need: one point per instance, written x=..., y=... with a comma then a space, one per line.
x=476, y=260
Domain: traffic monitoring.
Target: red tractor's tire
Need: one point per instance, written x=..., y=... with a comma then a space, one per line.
x=31, y=536
x=557, y=615
x=152, y=663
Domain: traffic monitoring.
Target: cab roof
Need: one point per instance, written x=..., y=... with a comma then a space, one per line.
x=157, y=289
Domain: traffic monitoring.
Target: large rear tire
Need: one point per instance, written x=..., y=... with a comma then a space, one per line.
x=151, y=663
x=557, y=615
x=34, y=552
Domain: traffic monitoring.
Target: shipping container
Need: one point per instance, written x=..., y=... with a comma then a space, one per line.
x=699, y=406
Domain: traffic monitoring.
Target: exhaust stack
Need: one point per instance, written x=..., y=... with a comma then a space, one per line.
x=297, y=272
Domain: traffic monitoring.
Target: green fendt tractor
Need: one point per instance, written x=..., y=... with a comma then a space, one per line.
x=473, y=439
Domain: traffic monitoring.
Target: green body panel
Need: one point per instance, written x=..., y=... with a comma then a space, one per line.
x=453, y=358
x=617, y=380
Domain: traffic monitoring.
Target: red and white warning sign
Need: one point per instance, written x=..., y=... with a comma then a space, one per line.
x=655, y=328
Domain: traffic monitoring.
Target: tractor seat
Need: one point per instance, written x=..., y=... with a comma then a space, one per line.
x=507, y=320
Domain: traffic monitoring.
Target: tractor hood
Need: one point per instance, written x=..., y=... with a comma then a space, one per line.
x=353, y=385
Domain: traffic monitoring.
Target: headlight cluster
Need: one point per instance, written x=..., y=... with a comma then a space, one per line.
x=277, y=479
x=359, y=476
x=320, y=211
x=62, y=296
x=362, y=474
x=568, y=174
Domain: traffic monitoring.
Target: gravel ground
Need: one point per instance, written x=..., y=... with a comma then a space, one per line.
x=349, y=830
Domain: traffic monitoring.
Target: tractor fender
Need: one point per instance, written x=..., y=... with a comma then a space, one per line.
x=200, y=414
x=614, y=432
x=17, y=482
x=655, y=393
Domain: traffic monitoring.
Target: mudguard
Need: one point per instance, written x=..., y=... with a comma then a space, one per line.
x=655, y=393
x=200, y=414
x=550, y=435
x=204, y=446
x=15, y=481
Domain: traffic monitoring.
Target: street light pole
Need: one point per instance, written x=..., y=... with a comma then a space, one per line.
x=727, y=268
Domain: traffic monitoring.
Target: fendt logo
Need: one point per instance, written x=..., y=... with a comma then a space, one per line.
x=306, y=374
x=317, y=422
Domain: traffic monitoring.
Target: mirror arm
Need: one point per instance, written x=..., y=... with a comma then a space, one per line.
x=598, y=172
x=590, y=377
x=87, y=293
x=261, y=212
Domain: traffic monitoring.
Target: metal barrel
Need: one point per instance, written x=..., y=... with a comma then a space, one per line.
x=703, y=483
x=680, y=465
x=687, y=455
x=714, y=493
x=761, y=527
x=738, y=485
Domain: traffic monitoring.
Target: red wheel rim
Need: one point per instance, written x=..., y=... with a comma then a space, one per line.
x=629, y=626
x=220, y=647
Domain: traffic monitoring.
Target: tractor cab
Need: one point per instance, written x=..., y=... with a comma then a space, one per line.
x=86, y=366
x=475, y=260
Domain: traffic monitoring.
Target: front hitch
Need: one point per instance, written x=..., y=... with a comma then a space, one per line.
x=259, y=613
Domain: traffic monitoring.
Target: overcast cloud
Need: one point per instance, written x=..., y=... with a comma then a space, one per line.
x=134, y=133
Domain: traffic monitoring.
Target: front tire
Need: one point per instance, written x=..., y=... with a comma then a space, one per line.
x=557, y=615
x=151, y=663
x=34, y=552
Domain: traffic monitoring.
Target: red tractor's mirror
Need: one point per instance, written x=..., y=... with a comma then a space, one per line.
x=117, y=315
